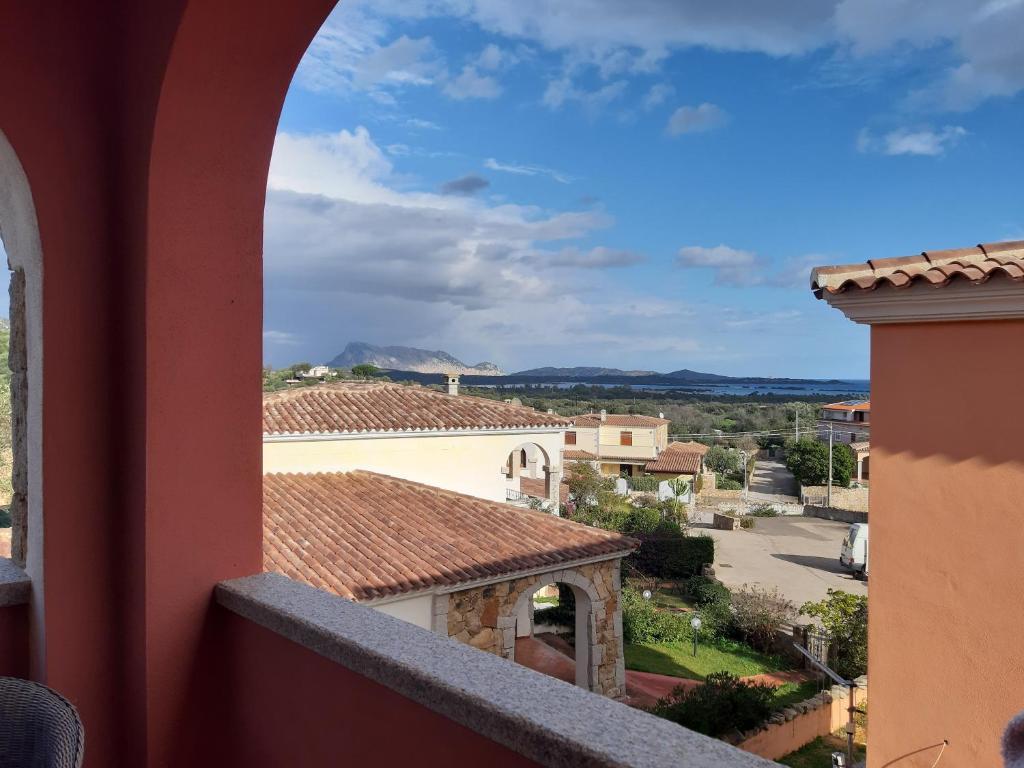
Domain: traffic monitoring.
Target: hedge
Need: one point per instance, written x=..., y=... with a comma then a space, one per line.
x=673, y=557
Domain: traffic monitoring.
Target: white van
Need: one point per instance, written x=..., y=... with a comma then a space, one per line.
x=854, y=553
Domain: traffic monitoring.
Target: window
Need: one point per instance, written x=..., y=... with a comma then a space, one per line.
x=522, y=459
x=625, y=438
x=570, y=438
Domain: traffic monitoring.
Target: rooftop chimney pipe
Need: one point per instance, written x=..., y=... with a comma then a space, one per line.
x=453, y=383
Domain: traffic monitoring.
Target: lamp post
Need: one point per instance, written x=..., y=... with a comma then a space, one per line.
x=695, y=623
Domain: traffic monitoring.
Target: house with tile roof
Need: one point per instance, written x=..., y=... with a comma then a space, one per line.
x=945, y=614
x=683, y=460
x=849, y=422
x=618, y=444
x=456, y=564
x=449, y=440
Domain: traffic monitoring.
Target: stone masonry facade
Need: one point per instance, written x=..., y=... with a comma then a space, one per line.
x=485, y=617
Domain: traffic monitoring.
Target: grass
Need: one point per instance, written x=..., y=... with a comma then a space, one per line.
x=818, y=754
x=793, y=693
x=669, y=600
x=553, y=600
x=677, y=659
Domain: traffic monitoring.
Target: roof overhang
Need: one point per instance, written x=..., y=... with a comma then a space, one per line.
x=961, y=300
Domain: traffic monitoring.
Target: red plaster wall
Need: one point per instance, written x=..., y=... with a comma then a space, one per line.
x=145, y=131
x=947, y=542
x=292, y=707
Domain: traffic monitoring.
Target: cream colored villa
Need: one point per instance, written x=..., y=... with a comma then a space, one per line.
x=617, y=443
x=461, y=443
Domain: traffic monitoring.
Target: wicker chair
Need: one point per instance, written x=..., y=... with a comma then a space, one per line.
x=39, y=728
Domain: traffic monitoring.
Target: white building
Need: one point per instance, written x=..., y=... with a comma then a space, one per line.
x=617, y=443
x=457, y=442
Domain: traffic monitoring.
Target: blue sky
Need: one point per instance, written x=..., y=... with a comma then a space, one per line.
x=631, y=184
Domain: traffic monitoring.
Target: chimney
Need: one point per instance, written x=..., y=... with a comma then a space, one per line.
x=604, y=415
x=453, y=383
x=551, y=411
x=661, y=415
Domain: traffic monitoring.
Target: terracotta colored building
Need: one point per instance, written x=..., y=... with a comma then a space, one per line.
x=947, y=544
x=135, y=140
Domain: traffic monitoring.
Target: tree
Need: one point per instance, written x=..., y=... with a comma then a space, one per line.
x=758, y=613
x=721, y=460
x=808, y=461
x=845, y=619
x=365, y=370
x=722, y=705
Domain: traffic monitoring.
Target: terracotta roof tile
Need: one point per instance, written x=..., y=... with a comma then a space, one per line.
x=366, y=536
x=617, y=420
x=678, y=458
x=384, y=407
x=571, y=455
x=938, y=268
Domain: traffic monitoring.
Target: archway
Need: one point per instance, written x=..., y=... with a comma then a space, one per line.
x=532, y=474
x=585, y=636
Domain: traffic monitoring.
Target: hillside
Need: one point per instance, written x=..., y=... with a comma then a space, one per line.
x=582, y=371
x=409, y=359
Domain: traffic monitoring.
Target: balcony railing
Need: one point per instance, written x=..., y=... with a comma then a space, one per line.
x=547, y=721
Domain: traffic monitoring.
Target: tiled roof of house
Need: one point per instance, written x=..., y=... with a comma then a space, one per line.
x=355, y=407
x=573, y=455
x=678, y=458
x=849, y=405
x=536, y=487
x=366, y=536
x=937, y=268
x=617, y=420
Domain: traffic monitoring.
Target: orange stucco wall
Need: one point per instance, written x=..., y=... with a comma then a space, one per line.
x=946, y=636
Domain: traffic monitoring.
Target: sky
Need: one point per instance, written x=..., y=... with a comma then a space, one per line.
x=640, y=184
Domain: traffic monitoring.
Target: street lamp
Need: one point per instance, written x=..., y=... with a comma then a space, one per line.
x=695, y=623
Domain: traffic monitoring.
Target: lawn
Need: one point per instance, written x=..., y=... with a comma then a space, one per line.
x=670, y=600
x=788, y=694
x=677, y=659
x=818, y=753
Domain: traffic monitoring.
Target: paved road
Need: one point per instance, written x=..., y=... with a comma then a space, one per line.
x=773, y=482
x=799, y=555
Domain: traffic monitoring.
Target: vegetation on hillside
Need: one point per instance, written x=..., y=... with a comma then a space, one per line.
x=6, y=448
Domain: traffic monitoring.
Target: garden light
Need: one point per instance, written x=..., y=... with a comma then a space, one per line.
x=695, y=623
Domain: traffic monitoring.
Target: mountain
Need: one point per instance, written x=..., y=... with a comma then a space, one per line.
x=409, y=359
x=582, y=371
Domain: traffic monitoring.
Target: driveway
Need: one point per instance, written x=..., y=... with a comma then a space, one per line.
x=799, y=555
x=773, y=482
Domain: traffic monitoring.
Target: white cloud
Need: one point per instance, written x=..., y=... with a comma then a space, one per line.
x=420, y=124
x=704, y=117
x=562, y=90
x=470, y=84
x=349, y=255
x=521, y=169
x=731, y=266
x=657, y=95
x=906, y=141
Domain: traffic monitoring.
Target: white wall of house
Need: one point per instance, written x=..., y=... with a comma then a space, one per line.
x=465, y=462
x=415, y=610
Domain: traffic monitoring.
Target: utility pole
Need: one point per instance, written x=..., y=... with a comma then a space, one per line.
x=828, y=492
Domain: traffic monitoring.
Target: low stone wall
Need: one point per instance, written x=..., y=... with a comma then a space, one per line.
x=800, y=724
x=485, y=617
x=725, y=522
x=831, y=513
x=853, y=499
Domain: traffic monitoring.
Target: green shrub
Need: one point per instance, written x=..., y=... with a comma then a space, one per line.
x=746, y=522
x=722, y=705
x=763, y=510
x=845, y=619
x=643, y=623
x=757, y=614
x=808, y=461
x=728, y=484
x=719, y=459
x=641, y=520
x=712, y=599
x=645, y=483
x=5, y=517
x=674, y=556
x=563, y=614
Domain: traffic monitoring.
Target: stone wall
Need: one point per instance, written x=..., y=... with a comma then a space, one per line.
x=485, y=617
x=830, y=513
x=793, y=727
x=853, y=499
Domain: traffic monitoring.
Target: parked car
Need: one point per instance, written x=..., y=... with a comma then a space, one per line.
x=854, y=552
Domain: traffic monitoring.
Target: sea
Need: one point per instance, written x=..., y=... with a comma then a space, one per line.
x=828, y=388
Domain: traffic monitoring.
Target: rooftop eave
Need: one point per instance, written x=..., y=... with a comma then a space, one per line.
x=960, y=300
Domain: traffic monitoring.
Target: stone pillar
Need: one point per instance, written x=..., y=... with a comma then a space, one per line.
x=553, y=485
x=860, y=469
x=531, y=468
